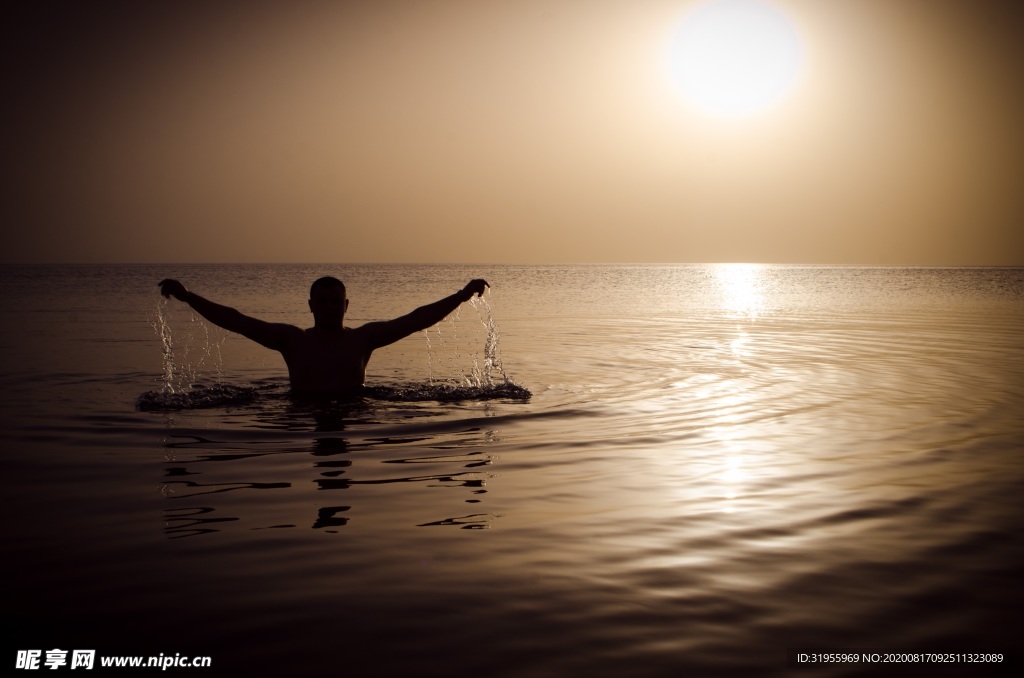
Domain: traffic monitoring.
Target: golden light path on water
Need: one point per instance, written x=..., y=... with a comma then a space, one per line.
x=729, y=431
x=742, y=296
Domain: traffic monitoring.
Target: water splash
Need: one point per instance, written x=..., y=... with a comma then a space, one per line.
x=446, y=343
x=197, y=398
x=446, y=392
x=492, y=357
x=448, y=356
x=180, y=372
x=166, y=337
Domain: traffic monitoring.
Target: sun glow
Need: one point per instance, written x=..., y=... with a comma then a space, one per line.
x=734, y=58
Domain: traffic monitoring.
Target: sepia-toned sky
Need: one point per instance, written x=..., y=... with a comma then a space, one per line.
x=520, y=131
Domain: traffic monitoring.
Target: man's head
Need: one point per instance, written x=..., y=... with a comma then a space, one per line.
x=327, y=302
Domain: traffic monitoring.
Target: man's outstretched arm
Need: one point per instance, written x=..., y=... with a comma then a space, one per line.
x=388, y=332
x=271, y=335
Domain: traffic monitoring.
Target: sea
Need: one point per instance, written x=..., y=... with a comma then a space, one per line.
x=593, y=470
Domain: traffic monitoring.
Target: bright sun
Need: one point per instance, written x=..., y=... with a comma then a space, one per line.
x=733, y=58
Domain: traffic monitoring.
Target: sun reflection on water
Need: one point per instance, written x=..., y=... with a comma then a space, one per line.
x=733, y=474
x=741, y=288
x=731, y=445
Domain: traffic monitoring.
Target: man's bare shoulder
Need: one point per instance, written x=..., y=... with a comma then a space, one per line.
x=276, y=336
x=282, y=335
x=290, y=331
x=367, y=328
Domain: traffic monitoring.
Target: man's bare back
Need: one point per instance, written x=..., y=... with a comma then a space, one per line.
x=327, y=358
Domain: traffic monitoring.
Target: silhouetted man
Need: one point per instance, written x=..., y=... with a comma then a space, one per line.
x=327, y=358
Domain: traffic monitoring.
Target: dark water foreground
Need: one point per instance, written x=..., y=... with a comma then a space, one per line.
x=739, y=462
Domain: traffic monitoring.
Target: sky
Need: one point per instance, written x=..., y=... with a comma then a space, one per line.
x=520, y=131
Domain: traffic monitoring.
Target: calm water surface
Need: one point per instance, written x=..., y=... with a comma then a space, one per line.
x=717, y=463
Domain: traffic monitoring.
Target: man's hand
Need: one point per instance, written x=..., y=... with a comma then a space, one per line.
x=476, y=287
x=173, y=288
